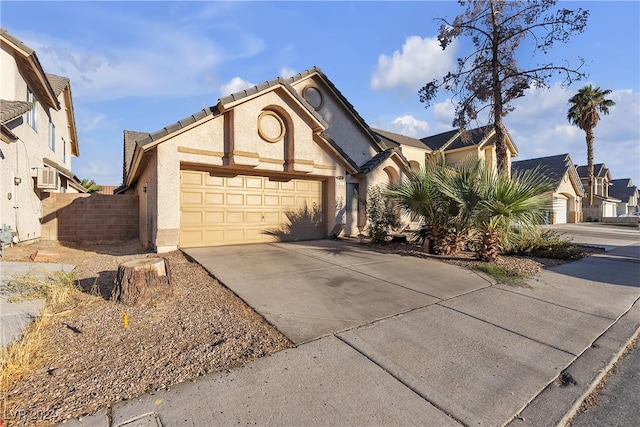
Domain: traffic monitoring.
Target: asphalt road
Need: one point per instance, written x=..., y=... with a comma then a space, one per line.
x=617, y=404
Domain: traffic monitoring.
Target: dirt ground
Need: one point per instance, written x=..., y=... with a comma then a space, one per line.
x=92, y=361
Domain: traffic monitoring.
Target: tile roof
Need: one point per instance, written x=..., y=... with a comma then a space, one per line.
x=375, y=161
x=622, y=189
x=9, y=110
x=553, y=167
x=180, y=124
x=58, y=83
x=396, y=139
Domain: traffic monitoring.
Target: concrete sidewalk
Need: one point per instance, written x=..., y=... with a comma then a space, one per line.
x=14, y=317
x=495, y=355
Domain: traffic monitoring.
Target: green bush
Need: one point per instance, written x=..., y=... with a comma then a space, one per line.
x=544, y=244
x=382, y=216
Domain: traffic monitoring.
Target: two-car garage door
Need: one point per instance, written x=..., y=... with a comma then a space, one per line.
x=227, y=210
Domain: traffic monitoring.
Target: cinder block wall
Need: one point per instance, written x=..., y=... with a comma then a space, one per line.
x=89, y=217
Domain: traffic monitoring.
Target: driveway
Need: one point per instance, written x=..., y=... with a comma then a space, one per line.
x=391, y=340
x=312, y=289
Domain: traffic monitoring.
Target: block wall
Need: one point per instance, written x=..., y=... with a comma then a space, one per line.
x=90, y=217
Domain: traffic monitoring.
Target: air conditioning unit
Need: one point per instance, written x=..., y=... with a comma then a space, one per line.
x=47, y=179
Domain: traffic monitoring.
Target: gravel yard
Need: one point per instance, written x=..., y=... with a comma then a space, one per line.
x=93, y=361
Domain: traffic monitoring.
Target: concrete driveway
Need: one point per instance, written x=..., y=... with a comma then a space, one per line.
x=312, y=289
x=409, y=341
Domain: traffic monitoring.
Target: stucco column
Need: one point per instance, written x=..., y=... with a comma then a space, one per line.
x=168, y=179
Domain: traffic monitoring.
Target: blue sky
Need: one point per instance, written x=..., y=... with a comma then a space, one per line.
x=144, y=65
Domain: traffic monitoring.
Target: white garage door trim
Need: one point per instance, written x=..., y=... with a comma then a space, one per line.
x=220, y=210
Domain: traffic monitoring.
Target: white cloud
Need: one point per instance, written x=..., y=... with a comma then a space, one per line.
x=540, y=128
x=409, y=126
x=287, y=72
x=420, y=61
x=236, y=84
x=162, y=60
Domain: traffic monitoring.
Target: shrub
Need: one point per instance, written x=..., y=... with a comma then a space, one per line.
x=544, y=244
x=382, y=216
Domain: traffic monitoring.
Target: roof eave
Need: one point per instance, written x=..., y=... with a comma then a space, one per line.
x=30, y=58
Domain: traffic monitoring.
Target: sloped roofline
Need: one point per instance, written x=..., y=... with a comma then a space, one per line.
x=568, y=167
x=227, y=102
x=457, y=134
x=27, y=58
x=378, y=145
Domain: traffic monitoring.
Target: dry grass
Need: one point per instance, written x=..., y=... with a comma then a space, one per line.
x=62, y=296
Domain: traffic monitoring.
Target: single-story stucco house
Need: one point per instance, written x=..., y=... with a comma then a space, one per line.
x=568, y=191
x=288, y=150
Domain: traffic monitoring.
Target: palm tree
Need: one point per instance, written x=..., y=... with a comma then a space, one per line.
x=90, y=185
x=419, y=195
x=584, y=114
x=495, y=204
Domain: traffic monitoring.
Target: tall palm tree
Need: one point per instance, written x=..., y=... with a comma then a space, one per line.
x=583, y=113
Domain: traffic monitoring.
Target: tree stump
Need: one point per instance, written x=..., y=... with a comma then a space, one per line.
x=142, y=281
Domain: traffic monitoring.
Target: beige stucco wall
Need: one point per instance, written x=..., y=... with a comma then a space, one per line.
x=343, y=127
x=457, y=157
x=244, y=152
x=21, y=158
x=574, y=202
x=414, y=154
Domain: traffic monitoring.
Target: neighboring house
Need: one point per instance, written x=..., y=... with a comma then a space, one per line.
x=39, y=137
x=479, y=143
x=108, y=189
x=628, y=194
x=414, y=150
x=604, y=205
x=457, y=146
x=237, y=171
x=568, y=191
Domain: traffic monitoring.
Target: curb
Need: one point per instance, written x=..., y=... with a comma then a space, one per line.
x=558, y=403
x=573, y=411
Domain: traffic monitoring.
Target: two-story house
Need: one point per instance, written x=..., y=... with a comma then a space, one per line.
x=455, y=145
x=604, y=205
x=628, y=194
x=39, y=138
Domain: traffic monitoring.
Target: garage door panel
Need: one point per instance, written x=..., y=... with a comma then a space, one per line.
x=271, y=200
x=213, y=198
x=235, y=199
x=191, y=198
x=192, y=178
x=236, y=182
x=244, y=209
x=254, y=200
x=254, y=182
x=214, y=217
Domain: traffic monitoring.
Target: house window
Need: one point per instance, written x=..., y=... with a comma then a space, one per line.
x=52, y=137
x=31, y=114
